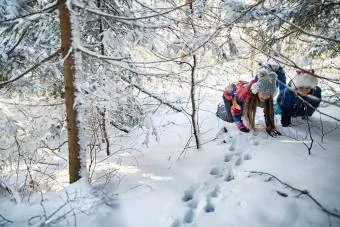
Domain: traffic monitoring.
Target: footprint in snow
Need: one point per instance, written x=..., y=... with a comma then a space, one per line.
x=247, y=156
x=215, y=192
x=193, y=204
x=228, y=157
x=209, y=207
x=239, y=161
x=229, y=175
x=232, y=145
x=176, y=223
x=254, y=142
x=189, y=216
x=189, y=194
x=217, y=171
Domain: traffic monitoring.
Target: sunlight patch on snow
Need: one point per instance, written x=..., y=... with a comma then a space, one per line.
x=63, y=178
x=157, y=178
x=126, y=169
x=296, y=141
x=124, y=154
x=119, y=167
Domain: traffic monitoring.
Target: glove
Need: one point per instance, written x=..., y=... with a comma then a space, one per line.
x=273, y=132
x=242, y=127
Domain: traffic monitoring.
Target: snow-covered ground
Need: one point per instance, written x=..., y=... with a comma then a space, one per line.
x=163, y=185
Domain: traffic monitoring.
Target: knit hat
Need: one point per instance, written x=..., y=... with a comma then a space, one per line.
x=305, y=78
x=265, y=84
x=262, y=71
x=272, y=62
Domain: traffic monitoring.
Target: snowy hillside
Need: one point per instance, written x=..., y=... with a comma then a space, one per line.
x=108, y=113
x=247, y=180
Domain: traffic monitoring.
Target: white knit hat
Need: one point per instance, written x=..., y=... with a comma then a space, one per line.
x=272, y=62
x=305, y=78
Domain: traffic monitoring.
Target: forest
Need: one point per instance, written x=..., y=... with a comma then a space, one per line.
x=110, y=113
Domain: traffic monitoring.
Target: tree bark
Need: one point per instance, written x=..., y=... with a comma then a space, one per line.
x=69, y=75
x=193, y=104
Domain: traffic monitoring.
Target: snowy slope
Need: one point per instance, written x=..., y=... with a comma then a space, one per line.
x=164, y=185
x=213, y=186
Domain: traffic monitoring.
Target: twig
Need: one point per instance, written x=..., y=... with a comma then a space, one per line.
x=4, y=221
x=53, y=149
x=185, y=147
x=302, y=192
x=151, y=95
x=310, y=135
x=119, y=127
x=322, y=129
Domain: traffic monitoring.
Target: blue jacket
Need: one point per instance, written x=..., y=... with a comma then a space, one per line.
x=289, y=100
x=281, y=76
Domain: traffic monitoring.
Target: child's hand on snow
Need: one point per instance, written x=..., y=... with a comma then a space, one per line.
x=273, y=132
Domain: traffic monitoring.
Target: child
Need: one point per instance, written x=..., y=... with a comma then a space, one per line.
x=303, y=84
x=243, y=98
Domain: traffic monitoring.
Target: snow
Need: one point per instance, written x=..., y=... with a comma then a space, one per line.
x=154, y=175
x=202, y=178
x=161, y=186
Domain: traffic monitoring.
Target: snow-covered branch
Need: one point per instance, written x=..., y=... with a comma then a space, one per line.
x=31, y=69
x=306, y=32
x=119, y=18
x=34, y=15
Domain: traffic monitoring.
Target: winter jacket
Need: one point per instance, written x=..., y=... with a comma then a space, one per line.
x=237, y=94
x=291, y=105
x=281, y=76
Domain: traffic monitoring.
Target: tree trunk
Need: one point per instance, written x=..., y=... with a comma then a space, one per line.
x=69, y=74
x=100, y=21
x=193, y=104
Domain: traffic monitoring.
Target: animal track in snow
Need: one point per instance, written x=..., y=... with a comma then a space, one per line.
x=229, y=175
x=232, y=146
x=215, y=192
x=202, y=198
x=239, y=161
x=209, y=207
x=228, y=157
x=217, y=171
x=189, y=194
x=189, y=216
x=176, y=223
x=253, y=140
x=247, y=156
x=193, y=204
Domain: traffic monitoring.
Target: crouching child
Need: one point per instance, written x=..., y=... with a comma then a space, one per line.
x=242, y=98
x=301, y=98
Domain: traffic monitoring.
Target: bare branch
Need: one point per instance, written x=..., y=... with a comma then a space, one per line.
x=302, y=192
x=151, y=95
x=310, y=136
x=4, y=221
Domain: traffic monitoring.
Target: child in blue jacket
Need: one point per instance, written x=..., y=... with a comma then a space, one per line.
x=303, y=84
